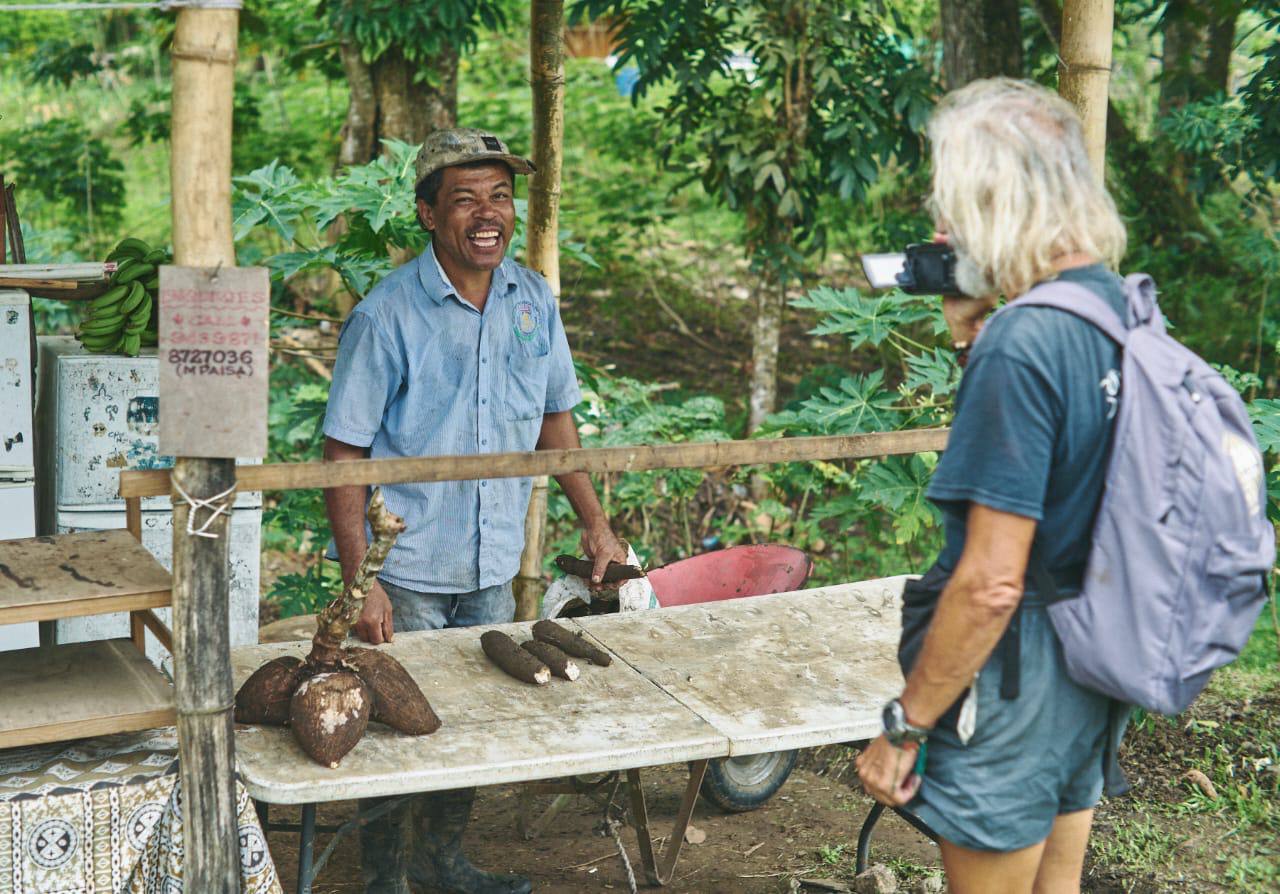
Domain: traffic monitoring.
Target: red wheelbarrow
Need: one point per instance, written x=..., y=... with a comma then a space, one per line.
x=734, y=784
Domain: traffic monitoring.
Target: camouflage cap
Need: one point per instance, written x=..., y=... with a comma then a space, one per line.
x=461, y=145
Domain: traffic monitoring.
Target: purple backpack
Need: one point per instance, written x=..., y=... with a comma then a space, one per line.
x=1176, y=576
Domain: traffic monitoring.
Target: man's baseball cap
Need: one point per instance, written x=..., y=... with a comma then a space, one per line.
x=460, y=145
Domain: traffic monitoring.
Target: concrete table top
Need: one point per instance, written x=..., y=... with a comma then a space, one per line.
x=772, y=673
x=495, y=729
x=745, y=676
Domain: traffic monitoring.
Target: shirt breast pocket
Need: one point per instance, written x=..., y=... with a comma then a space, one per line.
x=528, y=366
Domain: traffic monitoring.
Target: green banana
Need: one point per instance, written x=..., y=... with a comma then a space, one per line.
x=102, y=326
x=143, y=310
x=108, y=298
x=102, y=346
x=135, y=271
x=131, y=344
x=150, y=338
x=153, y=284
x=156, y=255
x=130, y=247
x=136, y=294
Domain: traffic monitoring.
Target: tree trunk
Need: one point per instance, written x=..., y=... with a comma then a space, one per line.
x=765, y=336
x=361, y=124
x=385, y=102
x=1084, y=70
x=204, y=51
x=980, y=39
x=1196, y=61
x=546, y=76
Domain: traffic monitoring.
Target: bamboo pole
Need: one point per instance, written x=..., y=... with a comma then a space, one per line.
x=546, y=78
x=204, y=55
x=1084, y=69
x=715, y=454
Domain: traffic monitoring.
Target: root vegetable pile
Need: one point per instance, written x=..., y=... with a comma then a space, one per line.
x=549, y=652
x=329, y=698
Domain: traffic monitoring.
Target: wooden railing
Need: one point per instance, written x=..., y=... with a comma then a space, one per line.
x=292, y=476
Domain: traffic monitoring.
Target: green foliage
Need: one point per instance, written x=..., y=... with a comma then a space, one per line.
x=70, y=170
x=420, y=31
x=759, y=108
x=913, y=388
x=59, y=62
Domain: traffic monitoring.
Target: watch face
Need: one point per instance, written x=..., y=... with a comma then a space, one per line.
x=892, y=718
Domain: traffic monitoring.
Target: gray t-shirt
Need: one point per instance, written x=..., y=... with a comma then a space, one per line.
x=1033, y=427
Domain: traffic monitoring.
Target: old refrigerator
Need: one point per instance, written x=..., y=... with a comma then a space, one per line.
x=98, y=414
x=17, y=451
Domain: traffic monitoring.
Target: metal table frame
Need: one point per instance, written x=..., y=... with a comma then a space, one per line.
x=658, y=868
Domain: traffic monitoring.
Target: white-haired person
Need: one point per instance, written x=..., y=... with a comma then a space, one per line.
x=1014, y=752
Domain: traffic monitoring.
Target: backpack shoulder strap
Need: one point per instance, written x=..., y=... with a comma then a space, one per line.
x=1078, y=300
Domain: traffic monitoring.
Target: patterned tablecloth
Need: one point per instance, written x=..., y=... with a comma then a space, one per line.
x=104, y=816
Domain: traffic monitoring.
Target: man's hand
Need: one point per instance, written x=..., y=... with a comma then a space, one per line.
x=375, y=624
x=601, y=546
x=888, y=773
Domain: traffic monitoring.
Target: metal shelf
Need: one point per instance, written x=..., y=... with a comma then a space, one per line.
x=74, y=690
x=69, y=575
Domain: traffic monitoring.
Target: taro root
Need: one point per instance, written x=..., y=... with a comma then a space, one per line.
x=573, y=643
x=503, y=651
x=264, y=697
x=329, y=713
x=561, y=664
x=329, y=697
x=397, y=700
x=615, y=573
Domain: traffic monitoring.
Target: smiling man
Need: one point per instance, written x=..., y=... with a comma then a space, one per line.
x=460, y=351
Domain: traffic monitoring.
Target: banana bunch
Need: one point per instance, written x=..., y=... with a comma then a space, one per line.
x=119, y=320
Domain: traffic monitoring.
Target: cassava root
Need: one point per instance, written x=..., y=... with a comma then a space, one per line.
x=329, y=698
x=561, y=664
x=615, y=573
x=573, y=644
x=503, y=651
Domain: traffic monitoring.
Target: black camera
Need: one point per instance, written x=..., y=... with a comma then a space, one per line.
x=925, y=268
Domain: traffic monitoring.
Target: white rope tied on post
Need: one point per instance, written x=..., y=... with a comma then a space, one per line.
x=219, y=503
x=89, y=6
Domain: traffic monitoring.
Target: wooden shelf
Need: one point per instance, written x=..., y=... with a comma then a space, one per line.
x=69, y=575
x=54, y=693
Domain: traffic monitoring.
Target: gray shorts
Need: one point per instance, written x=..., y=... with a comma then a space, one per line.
x=411, y=610
x=1029, y=759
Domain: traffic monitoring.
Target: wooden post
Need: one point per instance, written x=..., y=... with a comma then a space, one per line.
x=204, y=56
x=1084, y=69
x=546, y=71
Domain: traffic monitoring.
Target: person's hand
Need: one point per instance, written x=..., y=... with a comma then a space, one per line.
x=375, y=624
x=888, y=773
x=602, y=546
x=964, y=314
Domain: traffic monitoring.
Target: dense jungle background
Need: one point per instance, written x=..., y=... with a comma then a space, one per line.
x=725, y=166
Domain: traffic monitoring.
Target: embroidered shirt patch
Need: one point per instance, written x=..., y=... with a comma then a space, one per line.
x=526, y=321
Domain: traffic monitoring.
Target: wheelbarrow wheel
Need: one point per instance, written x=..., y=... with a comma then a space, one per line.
x=739, y=784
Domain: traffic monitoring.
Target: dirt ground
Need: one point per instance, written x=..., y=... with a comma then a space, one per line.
x=808, y=830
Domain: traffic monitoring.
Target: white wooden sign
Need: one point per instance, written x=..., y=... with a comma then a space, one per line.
x=214, y=361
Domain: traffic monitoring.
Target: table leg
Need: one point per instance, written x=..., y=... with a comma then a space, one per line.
x=306, y=843
x=659, y=872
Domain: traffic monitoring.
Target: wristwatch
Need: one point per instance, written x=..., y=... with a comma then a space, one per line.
x=896, y=728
